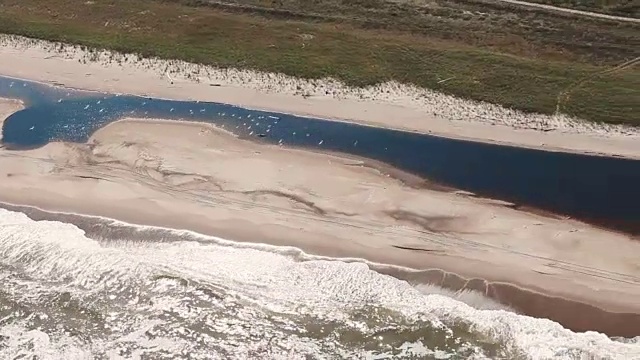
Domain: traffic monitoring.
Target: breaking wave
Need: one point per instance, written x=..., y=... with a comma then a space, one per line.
x=102, y=288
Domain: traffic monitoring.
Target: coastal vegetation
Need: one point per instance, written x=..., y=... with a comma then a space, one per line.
x=530, y=60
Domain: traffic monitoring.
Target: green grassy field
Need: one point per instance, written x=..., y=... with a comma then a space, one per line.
x=520, y=59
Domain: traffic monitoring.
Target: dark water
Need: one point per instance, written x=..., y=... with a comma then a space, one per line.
x=597, y=189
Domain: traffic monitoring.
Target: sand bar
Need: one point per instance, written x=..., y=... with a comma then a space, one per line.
x=146, y=172
x=389, y=105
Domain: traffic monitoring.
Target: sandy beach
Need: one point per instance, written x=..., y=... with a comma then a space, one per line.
x=146, y=172
x=389, y=105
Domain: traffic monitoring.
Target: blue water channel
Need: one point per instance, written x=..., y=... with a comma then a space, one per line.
x=597, y=189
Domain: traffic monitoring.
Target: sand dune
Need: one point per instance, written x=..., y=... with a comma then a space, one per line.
x=193, y=176
x=390, y=105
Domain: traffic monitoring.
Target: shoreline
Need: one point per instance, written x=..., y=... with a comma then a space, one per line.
x=454, y=234
x=538, y=303
x=627, y=154
x=389, y=105
x=15, y=105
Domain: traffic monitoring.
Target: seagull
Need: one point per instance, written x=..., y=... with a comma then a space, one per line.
x=321, y=141
x=31, y=128
x=86, y=107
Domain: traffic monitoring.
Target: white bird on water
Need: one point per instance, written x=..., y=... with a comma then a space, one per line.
x=31, y=128
x=86, y=107
x=321, y=141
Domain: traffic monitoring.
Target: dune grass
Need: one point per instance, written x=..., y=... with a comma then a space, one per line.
x=529, y=78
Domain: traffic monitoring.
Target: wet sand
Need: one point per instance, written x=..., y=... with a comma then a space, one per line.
x=194, y=176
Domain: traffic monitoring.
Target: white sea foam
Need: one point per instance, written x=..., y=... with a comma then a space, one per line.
x=51, y=253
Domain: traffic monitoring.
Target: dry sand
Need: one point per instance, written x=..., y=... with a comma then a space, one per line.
x=390, y=105
x=148, y=172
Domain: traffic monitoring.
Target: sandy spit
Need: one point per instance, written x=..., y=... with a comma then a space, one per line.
x=146, y=172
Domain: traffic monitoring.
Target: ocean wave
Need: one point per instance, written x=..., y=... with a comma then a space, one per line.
x=152, y=289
